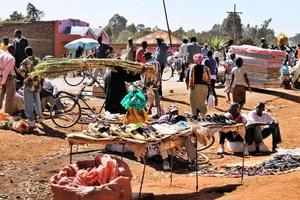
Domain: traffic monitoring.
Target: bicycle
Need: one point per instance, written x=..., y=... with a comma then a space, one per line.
x=72, y=108
x=73, y=80
x=173, y=64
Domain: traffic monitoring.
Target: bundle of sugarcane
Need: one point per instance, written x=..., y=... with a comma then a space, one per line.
x=53, y=68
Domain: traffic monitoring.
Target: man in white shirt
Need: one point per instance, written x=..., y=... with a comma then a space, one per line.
x=255, y=121
x=182, y=54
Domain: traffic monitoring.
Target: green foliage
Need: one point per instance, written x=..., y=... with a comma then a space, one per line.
x=16, y=16
x=117, y=24
x=295, y=39
x=232, y=26
x=245, y=40
x=217, y=43
x=131, y=28
x=123, y=36
x=33, y=14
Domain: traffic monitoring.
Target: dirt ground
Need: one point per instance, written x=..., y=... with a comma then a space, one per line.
x=28, y=161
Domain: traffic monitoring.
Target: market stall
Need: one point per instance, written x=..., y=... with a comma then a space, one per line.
x=168, y=136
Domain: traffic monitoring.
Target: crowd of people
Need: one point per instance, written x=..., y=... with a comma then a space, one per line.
x=20, y=93
x=199, y=70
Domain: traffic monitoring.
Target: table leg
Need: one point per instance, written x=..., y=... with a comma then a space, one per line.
x=171, y=177
x=145, y=162
x=123, y=148
x=243, y=163
x=71, y=153
x=197, y=181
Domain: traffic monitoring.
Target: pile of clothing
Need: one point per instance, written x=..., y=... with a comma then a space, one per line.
x=282, y=162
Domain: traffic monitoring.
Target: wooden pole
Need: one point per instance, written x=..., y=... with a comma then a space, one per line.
x=166, y=15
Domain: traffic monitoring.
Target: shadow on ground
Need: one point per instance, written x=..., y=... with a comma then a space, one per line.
x=210, y=193
x=279, y=94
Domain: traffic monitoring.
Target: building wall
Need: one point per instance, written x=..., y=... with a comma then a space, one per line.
x=40, y=35
x=63, y=24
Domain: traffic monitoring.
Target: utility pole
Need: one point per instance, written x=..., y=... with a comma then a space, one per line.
x=169, y=31
x=235, y=13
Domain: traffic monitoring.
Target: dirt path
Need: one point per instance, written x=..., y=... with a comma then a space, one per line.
x=28, y=161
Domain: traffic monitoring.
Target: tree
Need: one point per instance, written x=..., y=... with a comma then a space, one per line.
x=117, y=24
x=140, y=27
x=131, y=28
x=232, y=26
x=16, y=16
x=246, y=40
x=33, y=14
x=123, y=36
x=108, y=31
x=179, y=32
x=295, y=39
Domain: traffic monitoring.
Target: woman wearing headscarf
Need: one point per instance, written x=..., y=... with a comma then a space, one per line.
x=198, y=83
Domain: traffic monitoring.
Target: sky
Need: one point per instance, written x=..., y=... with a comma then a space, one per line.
x=200, y=15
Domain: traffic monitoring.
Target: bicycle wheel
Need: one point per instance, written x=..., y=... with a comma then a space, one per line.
x=65, y=111
x=167, y=73
x=74, y=78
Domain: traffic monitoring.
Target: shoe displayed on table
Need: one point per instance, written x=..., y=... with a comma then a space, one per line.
x=166, y=166
x=220, y=150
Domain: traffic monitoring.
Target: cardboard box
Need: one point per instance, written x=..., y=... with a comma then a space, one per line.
x=98, y=92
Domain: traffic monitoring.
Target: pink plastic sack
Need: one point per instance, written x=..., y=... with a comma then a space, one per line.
x=104, y=177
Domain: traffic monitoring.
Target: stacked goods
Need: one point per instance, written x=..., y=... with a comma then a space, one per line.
x=53, y=68
x=262, y=65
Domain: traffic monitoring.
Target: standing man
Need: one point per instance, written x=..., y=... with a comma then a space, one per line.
x=213, y=74
x=7, y=84
x=4, y=44
x=204, y=51
x=102, y=51
x=192, y=48
x=161, y=56
x=182, y=55
x=131, y=50
x=140, y=53
x=32, y=87
x=20, y=44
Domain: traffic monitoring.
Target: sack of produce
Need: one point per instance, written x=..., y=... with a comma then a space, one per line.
x=105, y=177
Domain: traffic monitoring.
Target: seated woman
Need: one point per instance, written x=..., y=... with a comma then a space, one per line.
x=235, y=115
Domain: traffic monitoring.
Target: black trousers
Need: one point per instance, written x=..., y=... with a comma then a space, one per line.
x=255, y=134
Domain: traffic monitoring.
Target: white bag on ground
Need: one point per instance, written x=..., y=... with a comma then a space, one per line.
x=211, y=101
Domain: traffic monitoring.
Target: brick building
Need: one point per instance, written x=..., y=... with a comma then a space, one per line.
x=49, y=37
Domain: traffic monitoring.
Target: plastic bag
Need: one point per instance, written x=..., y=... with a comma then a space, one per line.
x=135, y=98
x=211, y=101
